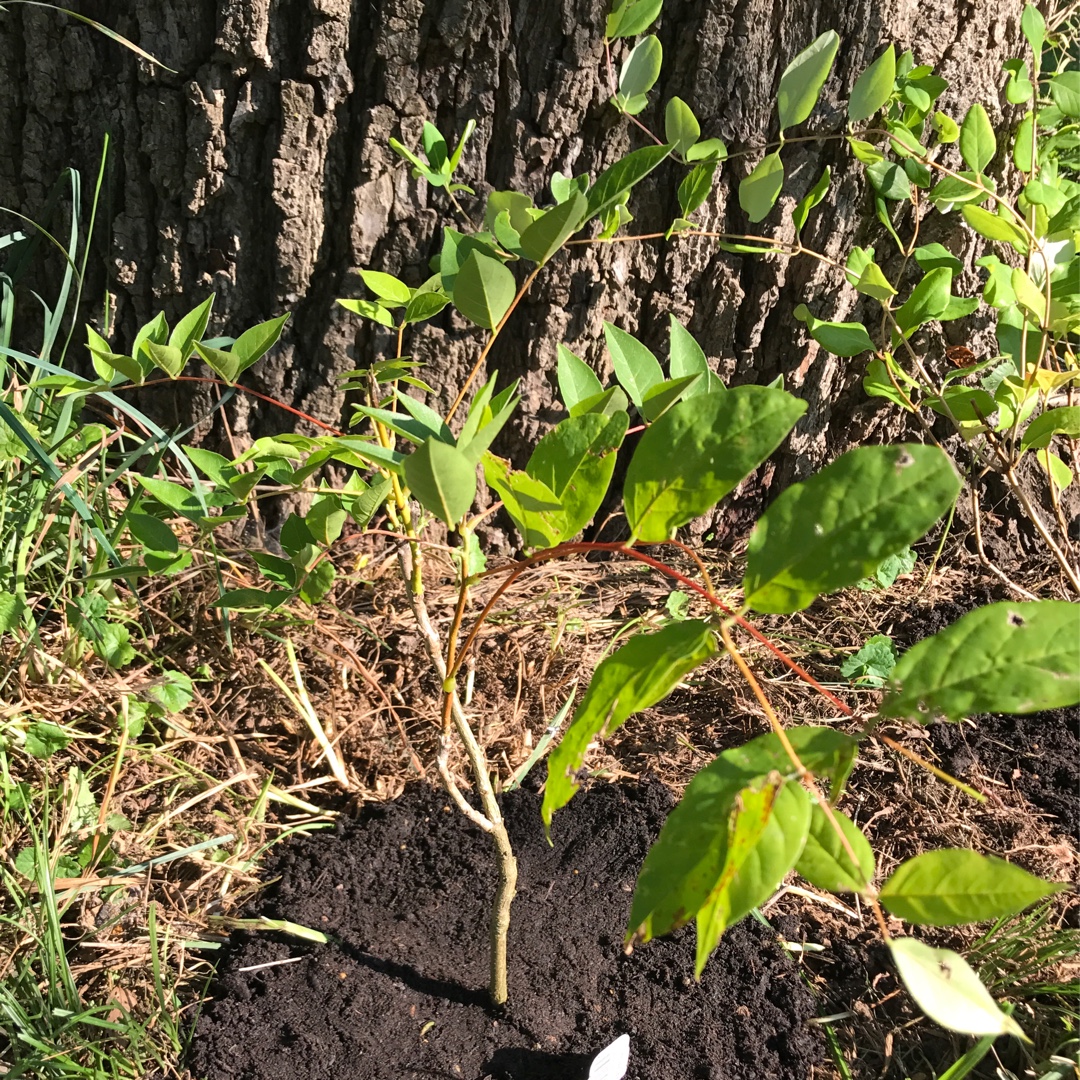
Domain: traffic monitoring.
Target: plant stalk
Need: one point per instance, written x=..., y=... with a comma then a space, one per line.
x=491, y=820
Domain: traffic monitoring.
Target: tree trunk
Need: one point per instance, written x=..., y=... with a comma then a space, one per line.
x=261, y=172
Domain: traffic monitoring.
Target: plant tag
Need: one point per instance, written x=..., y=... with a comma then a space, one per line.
x=613, y=1061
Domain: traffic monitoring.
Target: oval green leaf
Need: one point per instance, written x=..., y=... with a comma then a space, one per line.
x=825, y=862
x=575, y=460
x=698, y=451
x=954, y=886
x=1011, y=657
x=484, y=289
x=843, y=339
x=803, y=79
x=759, y=191
x=644, y=671
x=636, y=368
x=641, y=68
x=836, y=528
x=680, y=125
x=977, y=142
x=577, y=381
x=688, y=859
x=553, y=228
x=613, y=184
x=443, y=480
x=686, y=357
x=874, y=87
x=387, y=287
x=767, y=832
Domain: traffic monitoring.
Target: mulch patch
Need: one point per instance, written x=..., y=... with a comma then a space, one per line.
x=400, y=992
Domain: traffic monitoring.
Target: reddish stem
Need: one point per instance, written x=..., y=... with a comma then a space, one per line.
x=582, y=547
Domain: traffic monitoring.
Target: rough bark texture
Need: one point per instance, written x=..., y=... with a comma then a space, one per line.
x=261, y=172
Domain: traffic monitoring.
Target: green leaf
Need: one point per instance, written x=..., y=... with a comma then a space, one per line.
x=326, y=519
x=977, y=142
x=368, y=310
x=1034, y=27
x=456, y=248
x=865, y=152
x=190, y=329
x=632, y=17
x=954, y=886
x=664, y=395
x=641, y=68
x=113, y=645
x=689, y=856
x=843, y=339
x=166, y=357
x=443, y=480
x=685, y=357
x=759, y=191
x=707, y=150
x=946, y=988
x=484, y=290
x=174, y=693
x=1024, y=154
x=695, y=187
x=927, y=300
x=830, y=531
x=220, y=362
x=889, y=180
x=636, y=676
x=766, y=834
x=803, y=79
x=424, y=306
x=553, y=228
x=435, y=148
x=254, y=343
x=44, y=739
x=614, y=183
x=577, y=381
x=535, y=509
x=455, y=157
x=575, y=460
x=698, y=451
x=153, y=534
x=962, y=188
x=825, y=862
x=1002, y=658
x=608, y=402
x=876, y=383
x=1062, y=421
x=993, y=227
x=810, y=200
x=387, y=287
x=932, y=256
x=253, y=599
x=680, y=125
x=1065, y=92
x=873, y=663
x=637, y=370
x=947, y=129
x=873, y=282
x=1019, y=89
x=874, y=87
x=12, y=609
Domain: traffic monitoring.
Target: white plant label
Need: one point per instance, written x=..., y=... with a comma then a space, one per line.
x=613, y=1061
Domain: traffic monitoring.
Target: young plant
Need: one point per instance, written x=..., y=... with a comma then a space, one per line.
x=760, y=810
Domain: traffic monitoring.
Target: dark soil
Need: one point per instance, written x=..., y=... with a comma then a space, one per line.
x=400, y=994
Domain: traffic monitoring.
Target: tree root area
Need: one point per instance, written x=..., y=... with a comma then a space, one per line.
x=399, y=991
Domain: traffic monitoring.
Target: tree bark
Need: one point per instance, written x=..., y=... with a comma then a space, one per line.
x=261, y=172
